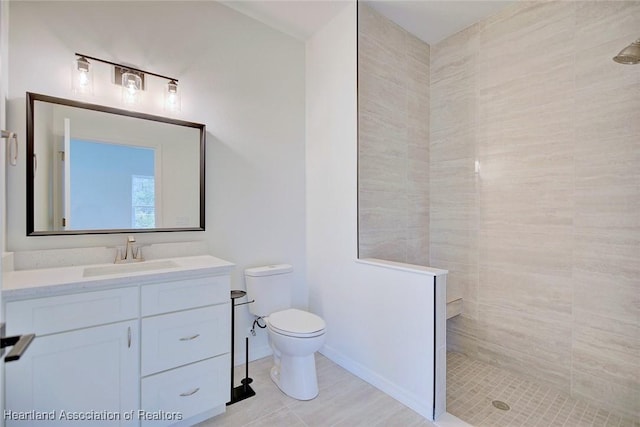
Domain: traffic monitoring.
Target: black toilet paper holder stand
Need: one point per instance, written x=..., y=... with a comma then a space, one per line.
x=243, y=391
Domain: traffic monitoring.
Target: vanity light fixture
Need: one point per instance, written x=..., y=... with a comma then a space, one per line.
x=131, y=79
x=131, y=87
x=172, y=97
x=82, y=79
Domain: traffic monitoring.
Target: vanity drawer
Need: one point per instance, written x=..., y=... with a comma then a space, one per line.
x=50, y=315
x=185, y=294
x=189, y=390
x=177, y=339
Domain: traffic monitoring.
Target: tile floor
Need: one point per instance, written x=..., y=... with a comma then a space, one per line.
x=347, y=401
x=472, y=386
x=344, y=401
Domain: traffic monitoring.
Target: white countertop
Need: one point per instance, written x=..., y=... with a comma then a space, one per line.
x=43, y=282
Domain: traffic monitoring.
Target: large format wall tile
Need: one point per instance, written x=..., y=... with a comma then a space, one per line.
x=393, y=141
x=453, y=214
x=606, y=272
x=508, y=154
x=544, y=241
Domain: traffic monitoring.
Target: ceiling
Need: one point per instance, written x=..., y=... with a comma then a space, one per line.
x=298, y=18
x=430, y=20
x=433, y=21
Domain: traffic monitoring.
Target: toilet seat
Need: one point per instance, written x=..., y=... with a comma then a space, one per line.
x=296, y=323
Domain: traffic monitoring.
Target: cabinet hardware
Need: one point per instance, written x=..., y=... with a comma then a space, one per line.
x=192, y=337
x=129, y=337
x=19, y=343
x=189, y=393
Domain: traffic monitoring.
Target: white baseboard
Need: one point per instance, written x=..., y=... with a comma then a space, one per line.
x=400, y=394
x=448, y=420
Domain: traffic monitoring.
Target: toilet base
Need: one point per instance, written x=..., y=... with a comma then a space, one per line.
x=295, y=376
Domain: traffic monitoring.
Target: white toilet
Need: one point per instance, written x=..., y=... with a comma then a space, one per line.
x=294, y=335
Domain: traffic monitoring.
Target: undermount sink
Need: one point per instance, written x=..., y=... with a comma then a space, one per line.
x=128, y=268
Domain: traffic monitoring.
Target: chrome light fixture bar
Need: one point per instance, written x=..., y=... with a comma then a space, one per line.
x=127, y=67
x=131, y=79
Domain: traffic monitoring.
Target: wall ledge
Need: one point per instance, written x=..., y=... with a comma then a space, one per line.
x=411, y=268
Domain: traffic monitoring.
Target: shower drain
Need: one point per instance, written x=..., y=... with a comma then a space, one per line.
x=501, y=405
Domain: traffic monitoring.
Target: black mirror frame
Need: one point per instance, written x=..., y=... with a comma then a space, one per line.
x=32, y=97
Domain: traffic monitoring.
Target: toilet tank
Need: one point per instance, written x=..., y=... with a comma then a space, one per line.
x=270, y=287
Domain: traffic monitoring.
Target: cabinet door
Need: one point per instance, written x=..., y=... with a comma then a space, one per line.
x=87, y=377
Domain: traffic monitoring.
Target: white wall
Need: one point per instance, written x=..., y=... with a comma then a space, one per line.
x=4, y=54
x=4, y=83
x=380, y=322
x=244, y=80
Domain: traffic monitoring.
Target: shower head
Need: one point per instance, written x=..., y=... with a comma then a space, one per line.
x=630, y=54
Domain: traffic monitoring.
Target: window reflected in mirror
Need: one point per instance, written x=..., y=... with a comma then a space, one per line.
x=114, y=186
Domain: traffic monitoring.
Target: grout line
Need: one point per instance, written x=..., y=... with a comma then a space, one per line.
x=475, y=383
x=298, y=417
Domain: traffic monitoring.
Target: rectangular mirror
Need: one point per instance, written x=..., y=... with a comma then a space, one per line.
x=95, y=169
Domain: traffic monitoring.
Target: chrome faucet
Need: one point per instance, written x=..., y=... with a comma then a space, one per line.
x=128, y=251
x=131, y=253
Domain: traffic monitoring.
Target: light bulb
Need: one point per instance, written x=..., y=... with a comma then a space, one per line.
x=172, y=97
x=131, y=87
x=82, y=78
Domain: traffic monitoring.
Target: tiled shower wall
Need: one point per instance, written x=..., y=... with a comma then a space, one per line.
x=543, y=240
x=393, y=152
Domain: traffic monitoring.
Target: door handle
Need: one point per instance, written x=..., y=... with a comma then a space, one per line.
x=19, y=343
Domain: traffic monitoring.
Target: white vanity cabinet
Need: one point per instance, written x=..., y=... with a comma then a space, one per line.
x=83, y=364
x=148, y=349
x=185, y=349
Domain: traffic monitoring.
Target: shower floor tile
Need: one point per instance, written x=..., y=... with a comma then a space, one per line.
x=473, y=385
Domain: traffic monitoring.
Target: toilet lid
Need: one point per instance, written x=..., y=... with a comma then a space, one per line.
x=298, y=322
